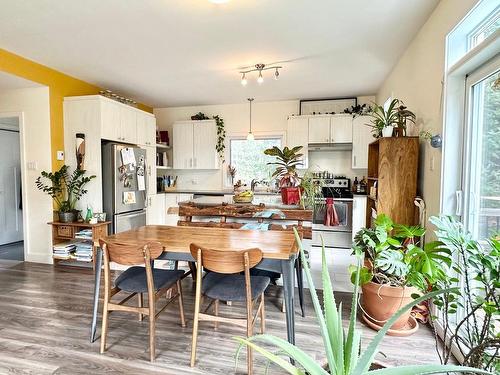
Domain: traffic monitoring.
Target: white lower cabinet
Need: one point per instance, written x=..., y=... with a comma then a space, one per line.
x=358, y=213
x=172, y=207
x=155, y=210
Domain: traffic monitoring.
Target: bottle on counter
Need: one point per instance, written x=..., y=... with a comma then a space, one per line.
x=355, y=185
x=363, y=185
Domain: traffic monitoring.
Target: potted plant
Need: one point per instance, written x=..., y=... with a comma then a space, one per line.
x=395, y=269
x=475, y=332
x=396, y=116
x=310, y=190
x=403, y=117
x=342, y=347
x=286, y=171
x=65, y=189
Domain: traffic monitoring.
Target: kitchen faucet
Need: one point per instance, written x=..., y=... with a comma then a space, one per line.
x=254, y=183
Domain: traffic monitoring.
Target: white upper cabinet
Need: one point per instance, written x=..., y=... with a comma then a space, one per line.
x=361, y=138
x=194, y=145
x=341, y=129
x=146, y=129
x=319, y=129
x=297, y=134
x=128, y=125
x=110, y=120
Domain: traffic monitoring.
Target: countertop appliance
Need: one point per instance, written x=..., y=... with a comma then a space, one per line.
x=124, y=186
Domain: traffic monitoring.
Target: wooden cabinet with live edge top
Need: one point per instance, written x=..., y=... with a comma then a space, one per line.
x=73, y=233
x=392, y=179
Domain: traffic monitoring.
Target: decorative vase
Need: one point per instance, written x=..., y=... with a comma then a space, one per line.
x=387, y=131
x=290, y=195
x=380, y=302
x=67, y=217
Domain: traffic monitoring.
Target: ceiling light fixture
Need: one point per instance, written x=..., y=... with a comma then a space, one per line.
x=250, y=136
x=259, y=68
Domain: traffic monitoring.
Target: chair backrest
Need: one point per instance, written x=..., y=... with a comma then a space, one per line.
x=130, y=254
x=226, y=261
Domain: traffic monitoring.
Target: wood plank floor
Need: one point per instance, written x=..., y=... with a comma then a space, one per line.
x=44, y=329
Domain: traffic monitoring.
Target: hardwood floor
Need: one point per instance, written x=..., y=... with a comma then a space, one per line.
x=45, y=317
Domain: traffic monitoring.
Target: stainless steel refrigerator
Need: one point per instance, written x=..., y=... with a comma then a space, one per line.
x=124, y=186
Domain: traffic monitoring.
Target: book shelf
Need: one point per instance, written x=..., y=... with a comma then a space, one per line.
x=393, y=169
x=64, y=232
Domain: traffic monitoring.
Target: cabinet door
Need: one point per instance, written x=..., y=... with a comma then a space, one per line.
x=150, y=130
x=183, y=145
x=155, y=211
x=341, y=129
x=151, y=169
x=110, y=121
x=319, y=129
x=146, y=129
x=361, y=138
x=297, y=134
x=171, y=209
x=358, y=214
x=204, y=142
x=128, y=125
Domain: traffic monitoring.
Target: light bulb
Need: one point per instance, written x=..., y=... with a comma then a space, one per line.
x=250, y=136
x=260, y=79
x=244, y=80
x=276, y=74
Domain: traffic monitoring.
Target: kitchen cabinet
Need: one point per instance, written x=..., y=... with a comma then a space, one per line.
x=155, y=209
x=319, y=129
x=194, y=145
x=297, y=134
x=172, y=206
x=118, y=122
x=358, y=213
x=150, y=169
x=146, y=129
x=361, y=138
x=341, y=129
x=128, y=125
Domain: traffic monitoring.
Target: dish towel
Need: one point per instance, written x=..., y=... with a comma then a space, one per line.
x=331, y=218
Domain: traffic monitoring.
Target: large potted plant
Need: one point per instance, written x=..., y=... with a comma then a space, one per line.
x=66, y=189
x=286, y=171
x=342, y=346
x=395, y=269
x=396, y=116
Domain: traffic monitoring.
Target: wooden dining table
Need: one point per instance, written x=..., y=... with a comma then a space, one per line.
x=279, y=250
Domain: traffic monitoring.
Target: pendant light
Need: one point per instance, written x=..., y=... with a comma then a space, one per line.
x=250, y=136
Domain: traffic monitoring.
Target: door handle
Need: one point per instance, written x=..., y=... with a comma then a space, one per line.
x=458, y=196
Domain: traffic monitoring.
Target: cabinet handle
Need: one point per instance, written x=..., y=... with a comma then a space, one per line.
x=354, y=157
x=190, y=162
x=195, y=162
x=458, y=196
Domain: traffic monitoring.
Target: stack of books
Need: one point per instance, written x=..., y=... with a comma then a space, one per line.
x=84, y=234
x=83, y=252
x=64, y=250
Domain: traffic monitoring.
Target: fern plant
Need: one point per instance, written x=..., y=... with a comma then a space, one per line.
x=342, y=346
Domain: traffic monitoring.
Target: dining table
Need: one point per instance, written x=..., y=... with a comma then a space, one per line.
x=279, y=249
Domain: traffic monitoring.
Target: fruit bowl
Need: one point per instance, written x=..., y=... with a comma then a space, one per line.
x=243, y=197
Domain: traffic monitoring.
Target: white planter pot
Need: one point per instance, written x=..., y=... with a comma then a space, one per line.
x=387, y=131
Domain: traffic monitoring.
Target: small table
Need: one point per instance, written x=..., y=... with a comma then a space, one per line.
x=278, y=247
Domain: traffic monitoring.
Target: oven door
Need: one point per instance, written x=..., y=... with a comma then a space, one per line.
x=344, y=213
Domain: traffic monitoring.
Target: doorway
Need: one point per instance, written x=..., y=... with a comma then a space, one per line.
x=11, y=204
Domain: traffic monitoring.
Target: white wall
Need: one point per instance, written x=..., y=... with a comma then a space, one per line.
x=33, y=103
x=267, y=117
x=417, y=80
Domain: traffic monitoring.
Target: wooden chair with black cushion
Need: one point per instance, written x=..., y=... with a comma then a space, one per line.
x=226, y=283
x=137, y=280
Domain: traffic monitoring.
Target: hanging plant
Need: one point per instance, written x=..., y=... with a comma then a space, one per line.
x=221, y=137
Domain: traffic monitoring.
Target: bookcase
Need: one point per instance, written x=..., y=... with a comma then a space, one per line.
x=393, y=169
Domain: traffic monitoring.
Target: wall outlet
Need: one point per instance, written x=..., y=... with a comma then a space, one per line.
x=32, y=165
x=433, y=163
x=60, y=155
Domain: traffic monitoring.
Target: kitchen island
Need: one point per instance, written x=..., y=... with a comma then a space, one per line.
x=263, y=213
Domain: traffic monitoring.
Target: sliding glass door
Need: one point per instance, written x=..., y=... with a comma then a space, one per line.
x=481, y=165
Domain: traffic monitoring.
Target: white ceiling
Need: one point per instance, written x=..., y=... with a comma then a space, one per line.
x=188, y=52
x=12, y=82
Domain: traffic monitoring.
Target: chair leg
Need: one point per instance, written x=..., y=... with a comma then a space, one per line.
x=181, y=304
x=216, y=313
x=104, y=329
x=152, y=328
x=195, y=325
x=140, y=304
x=262, y=315
x=249, y=350
x=300, y=285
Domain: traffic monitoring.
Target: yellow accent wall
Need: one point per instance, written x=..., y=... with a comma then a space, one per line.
x=60, y=85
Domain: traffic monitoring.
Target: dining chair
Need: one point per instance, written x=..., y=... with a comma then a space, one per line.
x=226, y=283
x=137, y=280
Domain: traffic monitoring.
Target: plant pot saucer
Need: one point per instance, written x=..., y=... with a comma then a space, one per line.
x=409, y=329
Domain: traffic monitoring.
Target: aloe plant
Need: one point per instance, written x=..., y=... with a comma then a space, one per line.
x=342, y=347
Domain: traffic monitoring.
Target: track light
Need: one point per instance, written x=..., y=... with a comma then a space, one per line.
x=260, y=79
x=259, y=68
x=244, y=80
x=276, y=74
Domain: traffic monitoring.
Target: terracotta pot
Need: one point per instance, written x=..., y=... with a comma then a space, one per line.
x=380, y=302
x=290, y=195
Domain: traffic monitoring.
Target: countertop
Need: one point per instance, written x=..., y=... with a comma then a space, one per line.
x=269, y=202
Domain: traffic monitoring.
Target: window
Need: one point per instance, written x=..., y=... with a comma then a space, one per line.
x=249, y=159
x=485, y=29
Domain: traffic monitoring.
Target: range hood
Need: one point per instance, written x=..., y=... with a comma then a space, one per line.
x=330, y=147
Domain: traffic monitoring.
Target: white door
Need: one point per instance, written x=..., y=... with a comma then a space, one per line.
x=151, y=169
x=110, y=121
x=204, y=142
x=11, y=214
x=128, y=125
x=297, y=134
x=155, y=211
x=361, y=138
x=341, y=129
x=183, y=145
x=319, y=129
